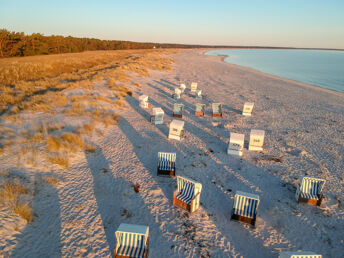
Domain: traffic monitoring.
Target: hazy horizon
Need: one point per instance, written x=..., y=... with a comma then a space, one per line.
x=306, y=24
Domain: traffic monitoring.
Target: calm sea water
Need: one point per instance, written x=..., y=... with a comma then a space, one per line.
x=317, y=67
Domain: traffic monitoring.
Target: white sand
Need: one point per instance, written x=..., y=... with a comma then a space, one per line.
x=304, y=127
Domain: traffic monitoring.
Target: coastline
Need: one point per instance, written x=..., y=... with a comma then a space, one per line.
x=223, y=57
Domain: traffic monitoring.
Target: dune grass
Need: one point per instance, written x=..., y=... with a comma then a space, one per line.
x=39, y=85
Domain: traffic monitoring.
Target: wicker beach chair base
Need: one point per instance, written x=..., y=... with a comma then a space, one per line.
x=199, y=113
x=166, y=172
x=177, y=115
x=311, y=201
x=145, y=255
x=217, y=115
x=181, y=204
x=243, y=219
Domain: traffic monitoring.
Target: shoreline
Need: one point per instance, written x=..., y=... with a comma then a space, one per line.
x=303, y=84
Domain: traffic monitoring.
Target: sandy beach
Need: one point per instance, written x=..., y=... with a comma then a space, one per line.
x=304, y=128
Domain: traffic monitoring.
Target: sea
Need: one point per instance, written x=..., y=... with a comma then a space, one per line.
x=323, y=68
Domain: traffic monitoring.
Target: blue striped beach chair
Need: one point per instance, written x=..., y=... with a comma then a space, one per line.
x=132, y=241
x=188, y=194
x=245, y=207
x=310, y=190
x=167, y=163
x=178, y=110
x=216, y=109
x=299, y=255
x=200, y=109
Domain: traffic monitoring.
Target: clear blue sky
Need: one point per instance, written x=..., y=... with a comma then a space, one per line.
x=297, y=23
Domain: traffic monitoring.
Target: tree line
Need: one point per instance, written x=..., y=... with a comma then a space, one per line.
x=19, y=44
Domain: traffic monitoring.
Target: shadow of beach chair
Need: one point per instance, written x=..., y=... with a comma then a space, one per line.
x=200, y=109
x=188, y=194
x=143, y=99
x=236, y=144
x=256, y=140
x=178, y=110
x=176, y=130
x=245, y=207
x=132, y=241
x=216, y=109
x=157, y=117
x=248, y=107
x=193, y=87
x=299, y=255
x=166, y=164
x=309, y=190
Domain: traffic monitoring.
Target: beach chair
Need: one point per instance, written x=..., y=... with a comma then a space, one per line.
x=177, y=93
x=309, y=190
x=166, y=163
x=176, y=129
x=200, y=109
x=132, y=241
x=299, y=255
x=143, y=99
x=236, y=144
x=188, y=194
x=245, y=207
x=256, y=140
x=182, y=87
x=217, y=109
x=178, y=110
x=248, y=107
x=158, y=116
x=193, y=87
x=198, y=94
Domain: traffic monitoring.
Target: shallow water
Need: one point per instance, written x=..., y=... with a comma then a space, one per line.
x=322, y=68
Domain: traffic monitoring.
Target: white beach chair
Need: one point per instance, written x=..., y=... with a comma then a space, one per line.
x=188, y=194
x=178, y=110
x=167, y=163
x=200, y=109
x=193, y=87
x=198, y=94
x=236, y=144
x=299, y=255
x=256, y=140
x=177, y=93
x=182, y=87
x=217, y=109
x=132, y=241
x=309, y=190
x=143, y=99
x=158, y=116
x=176, y=129
x=245, y=207
x=248, y=107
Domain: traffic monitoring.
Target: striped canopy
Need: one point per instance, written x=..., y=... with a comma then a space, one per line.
x=178, y=108
x=246, y=204
x=217, y=108
x=166, y=160
x=300, y=255
x=311, y=188
x=187, y=188
x=132, y=243
x=200, y=107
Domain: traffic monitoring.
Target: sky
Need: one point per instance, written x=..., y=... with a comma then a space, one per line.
x=290, y=23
